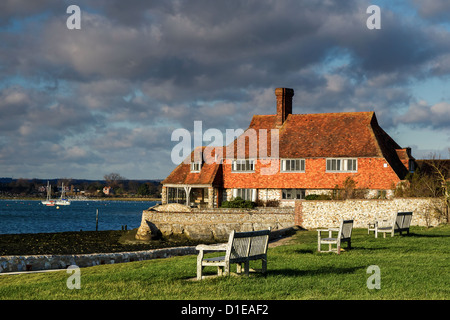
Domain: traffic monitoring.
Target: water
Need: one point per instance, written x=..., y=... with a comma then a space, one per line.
x=28, y=216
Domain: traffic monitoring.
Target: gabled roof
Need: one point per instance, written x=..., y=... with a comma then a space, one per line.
x=208, y=175
x=321, y=135
x=345, y=134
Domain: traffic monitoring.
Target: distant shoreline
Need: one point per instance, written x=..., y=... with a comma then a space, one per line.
x=88, y=199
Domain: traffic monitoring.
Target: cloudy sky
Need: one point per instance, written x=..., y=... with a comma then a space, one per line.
x=107, y=97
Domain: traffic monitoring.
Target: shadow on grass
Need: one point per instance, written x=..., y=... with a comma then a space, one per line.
x=284, y=272
x=324, y=270
x=421, y=235
x=343, y=252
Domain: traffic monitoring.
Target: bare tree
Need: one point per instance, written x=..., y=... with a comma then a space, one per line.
x=441, y=172
x=113, y=179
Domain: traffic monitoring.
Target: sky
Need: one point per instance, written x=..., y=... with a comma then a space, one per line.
x=82, y=103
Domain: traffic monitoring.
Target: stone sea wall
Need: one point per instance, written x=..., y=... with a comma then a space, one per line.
x=174, y=220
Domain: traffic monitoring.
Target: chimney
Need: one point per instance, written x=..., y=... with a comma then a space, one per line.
x=284, y=104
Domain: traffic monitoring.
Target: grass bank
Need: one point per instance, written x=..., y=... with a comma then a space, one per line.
x=411, y=267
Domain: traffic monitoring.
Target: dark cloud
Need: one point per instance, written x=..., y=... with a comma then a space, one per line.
x=435, y=10
x=139, y=69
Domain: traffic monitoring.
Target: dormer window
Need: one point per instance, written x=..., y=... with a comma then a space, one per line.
x=342, y=165
x=243, y=165
x=196, y=166
x=292, y=165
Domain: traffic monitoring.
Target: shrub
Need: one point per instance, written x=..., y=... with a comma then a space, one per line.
x=317, y=197
x=238, y=202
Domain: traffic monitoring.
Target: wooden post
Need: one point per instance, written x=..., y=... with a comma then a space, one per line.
x=96, y=221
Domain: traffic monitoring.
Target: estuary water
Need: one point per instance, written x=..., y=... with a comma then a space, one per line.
x=31, y=216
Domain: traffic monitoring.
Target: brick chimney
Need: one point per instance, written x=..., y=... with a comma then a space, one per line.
x=284, y=104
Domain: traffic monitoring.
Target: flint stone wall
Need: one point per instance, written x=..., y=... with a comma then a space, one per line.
x=317, y=214
x=174, y=220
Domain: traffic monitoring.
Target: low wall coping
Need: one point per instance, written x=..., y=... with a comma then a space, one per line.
x=50, y=262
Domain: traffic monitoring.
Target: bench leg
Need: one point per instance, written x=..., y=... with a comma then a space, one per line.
x=199, y=266
x=247, y=267
x=199, y=272
x=227, y=268
x=264, y=265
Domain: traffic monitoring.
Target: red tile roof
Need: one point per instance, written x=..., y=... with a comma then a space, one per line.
x=208, y=175
x=326, y=135
x=322, y=135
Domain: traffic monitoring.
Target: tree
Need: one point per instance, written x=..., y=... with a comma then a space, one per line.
x=430, y=179
x=113, y=179
x=143, y=190
x=442, y=176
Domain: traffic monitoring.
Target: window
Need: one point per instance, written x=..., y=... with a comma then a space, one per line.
x=292, y=165
x=243, y=166
x=246, y=194
x=342, y=165
x=196, y=166
x=293, y=194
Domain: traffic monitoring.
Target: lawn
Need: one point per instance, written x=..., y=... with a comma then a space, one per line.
x=411, y=267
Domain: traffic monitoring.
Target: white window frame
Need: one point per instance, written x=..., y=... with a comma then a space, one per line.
x=245, y=193
x=285, y=163
x=249, y=165
x=341, y=164
x=196, y=166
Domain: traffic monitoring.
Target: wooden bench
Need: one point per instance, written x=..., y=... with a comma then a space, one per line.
x=242, y=247
x=344, y=234
x=401, y=223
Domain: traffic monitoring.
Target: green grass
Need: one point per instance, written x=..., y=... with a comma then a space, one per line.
x=412, y=267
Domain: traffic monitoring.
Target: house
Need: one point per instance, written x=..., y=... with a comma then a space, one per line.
x=108, y=191
x=294, y=155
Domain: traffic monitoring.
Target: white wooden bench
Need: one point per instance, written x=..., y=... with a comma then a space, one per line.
x=400, y=223
x=242, y=247
x=344, y=234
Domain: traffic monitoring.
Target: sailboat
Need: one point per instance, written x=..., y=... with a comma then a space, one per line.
x=63, y=201
x=48, y=201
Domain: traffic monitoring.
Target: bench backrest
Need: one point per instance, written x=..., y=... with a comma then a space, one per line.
x=345, y=230
x=402, y=220
x=245, y=245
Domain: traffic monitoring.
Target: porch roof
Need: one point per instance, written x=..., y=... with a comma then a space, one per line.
x=209, y=174
x=172, y=185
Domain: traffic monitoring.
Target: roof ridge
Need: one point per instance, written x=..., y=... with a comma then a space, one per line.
x=318, y=113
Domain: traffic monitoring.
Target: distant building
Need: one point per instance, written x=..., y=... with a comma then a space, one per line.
x=108, y=191
x=317, y=152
